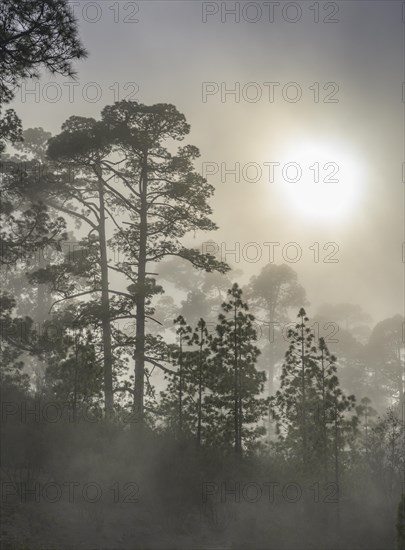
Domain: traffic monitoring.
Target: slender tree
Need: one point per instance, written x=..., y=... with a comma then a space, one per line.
x=80, y=193
x=201, y=339
x=166, y=200
x=291, y=404
x=310, y=395
x=183, y=331
x=238, y=384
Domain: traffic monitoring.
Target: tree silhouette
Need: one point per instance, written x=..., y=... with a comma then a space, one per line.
x=36, y=34
x=310, y=409
x=167, y=199
x=81, y=193
x=238, y=384
x=33, y=34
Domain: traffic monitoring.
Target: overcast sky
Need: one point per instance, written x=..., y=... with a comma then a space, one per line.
x=168, y=52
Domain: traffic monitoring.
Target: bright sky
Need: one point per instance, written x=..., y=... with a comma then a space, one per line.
x=316, y=105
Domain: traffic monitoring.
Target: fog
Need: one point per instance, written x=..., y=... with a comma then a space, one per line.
x=202, y=278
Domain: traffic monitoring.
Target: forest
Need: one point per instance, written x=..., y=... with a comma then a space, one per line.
x=152, y=396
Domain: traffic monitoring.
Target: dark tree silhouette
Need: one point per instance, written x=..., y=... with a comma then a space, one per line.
x=310, y=409
x=36, y=34
x=239, y=385
x=167, y=200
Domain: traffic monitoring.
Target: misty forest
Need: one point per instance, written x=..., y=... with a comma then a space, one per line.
x=158, y=392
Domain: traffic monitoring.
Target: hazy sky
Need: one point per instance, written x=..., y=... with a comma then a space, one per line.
x=358, y=56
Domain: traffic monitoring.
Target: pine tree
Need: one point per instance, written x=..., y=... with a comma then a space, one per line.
x=293, y=402
x=333, y=404
x=184, y=400
x=175, y=400
x=182, y=333
x=165, y=200
x=74, y=376
x=238, y=384
x=33, y=35
x=366, y=413
x=81, y=194
x=216, y=385
x=201, y=339
x=317, y=431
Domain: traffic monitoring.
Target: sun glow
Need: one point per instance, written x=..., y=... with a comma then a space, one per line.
x=320, y=180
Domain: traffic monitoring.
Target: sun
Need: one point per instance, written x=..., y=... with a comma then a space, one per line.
x=320, y=181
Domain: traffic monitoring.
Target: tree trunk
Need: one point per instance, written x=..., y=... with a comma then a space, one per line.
x=199, y=411
x=43, y=302
x=75, y=378
x=324, y=430
x=271, y=369
x=304, y=420
x=401, y=374
x=337, y=476
x=105, y=306
x=236, y=386
x=181, y=386
x=240, y=410
x=140, y=302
